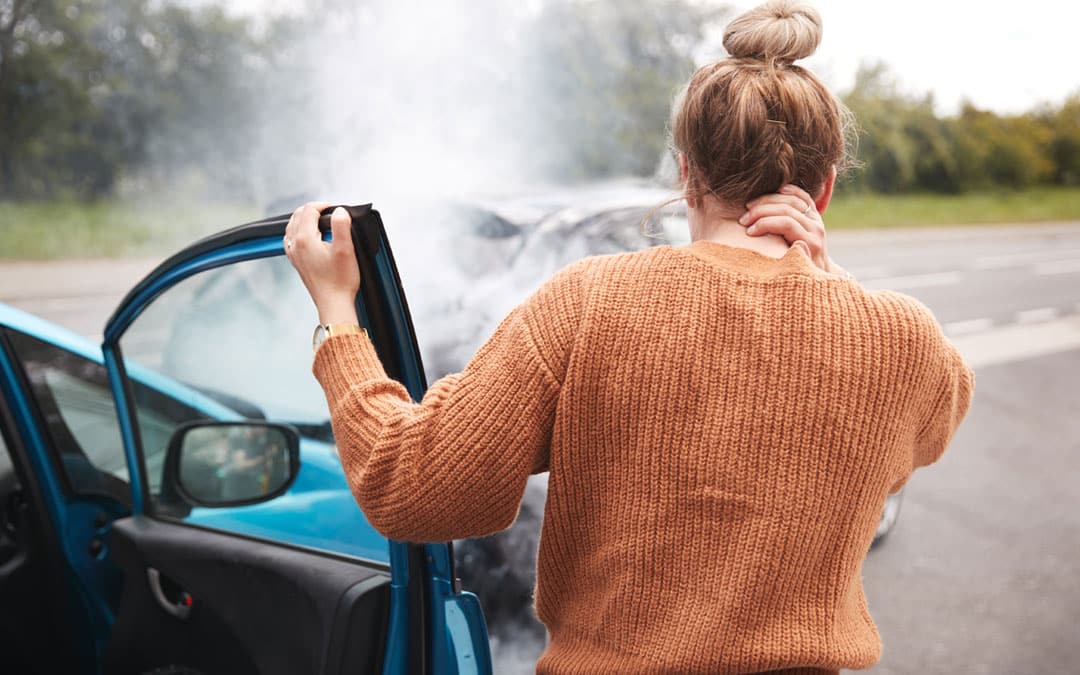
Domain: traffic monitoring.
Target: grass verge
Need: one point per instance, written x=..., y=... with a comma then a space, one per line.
x=107, y=228
x=855, y=211
x=111, y=228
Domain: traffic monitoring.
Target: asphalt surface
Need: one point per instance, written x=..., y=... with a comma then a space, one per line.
x=981, y=574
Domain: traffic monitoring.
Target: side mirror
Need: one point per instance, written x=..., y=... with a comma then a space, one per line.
x=219, y=464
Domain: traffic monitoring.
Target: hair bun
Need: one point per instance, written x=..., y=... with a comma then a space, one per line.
x=783, y=31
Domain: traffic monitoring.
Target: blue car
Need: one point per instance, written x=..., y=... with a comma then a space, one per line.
x=172, y=501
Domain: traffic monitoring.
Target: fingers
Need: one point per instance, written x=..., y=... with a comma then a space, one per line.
x=303, y=228
x=784, y=225
x=340, y=228
x=769, y=210
x=307, y=222
x=802, y=194
x=792, y=214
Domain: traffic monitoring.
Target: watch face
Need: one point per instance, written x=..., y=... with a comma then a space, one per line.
x=318, y=337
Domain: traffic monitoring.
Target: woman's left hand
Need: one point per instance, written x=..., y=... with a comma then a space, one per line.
x=792, y=214
x=328, y=269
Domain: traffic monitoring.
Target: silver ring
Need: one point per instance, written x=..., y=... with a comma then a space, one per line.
x=288, y=243
x=808, y=207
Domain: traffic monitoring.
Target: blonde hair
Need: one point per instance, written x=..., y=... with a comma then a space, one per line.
x=755, y=121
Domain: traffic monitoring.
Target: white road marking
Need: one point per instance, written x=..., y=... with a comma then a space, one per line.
x=913, y=281
x=967, y=327
x=1019, y=342
x=1057, y=267
x=869, y=272
x=1036, y=315
x=993, y=262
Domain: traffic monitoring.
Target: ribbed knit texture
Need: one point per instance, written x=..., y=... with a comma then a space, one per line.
x=721, y=430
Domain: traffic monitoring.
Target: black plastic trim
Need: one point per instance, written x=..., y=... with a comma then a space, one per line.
x=341, y=654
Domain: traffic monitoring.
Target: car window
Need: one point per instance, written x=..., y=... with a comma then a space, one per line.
x=234, y=343
x=73, y=397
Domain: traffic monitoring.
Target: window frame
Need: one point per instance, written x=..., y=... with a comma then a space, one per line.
x=41, y=407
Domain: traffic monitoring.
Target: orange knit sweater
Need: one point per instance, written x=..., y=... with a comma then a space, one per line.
x=721, y=429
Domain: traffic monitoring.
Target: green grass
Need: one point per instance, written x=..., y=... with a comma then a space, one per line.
x=978, y=208
x=112, y=228
x=108, y=228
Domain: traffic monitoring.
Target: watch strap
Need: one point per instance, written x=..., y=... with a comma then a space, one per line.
x=329, y=330
x=333, y=329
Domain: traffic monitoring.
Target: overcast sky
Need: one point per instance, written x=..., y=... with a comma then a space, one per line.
x=1008, y=57
x=1005, y=57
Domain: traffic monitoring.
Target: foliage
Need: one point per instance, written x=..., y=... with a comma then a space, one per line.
x=86, y=85
x=905, y=147
x=604, y=74
x=101, y=96
x=1065, y=141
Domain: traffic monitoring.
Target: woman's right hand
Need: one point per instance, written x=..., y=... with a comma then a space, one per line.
x=792, y=214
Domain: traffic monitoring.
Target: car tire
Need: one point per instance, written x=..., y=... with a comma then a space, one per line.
x=890, y=513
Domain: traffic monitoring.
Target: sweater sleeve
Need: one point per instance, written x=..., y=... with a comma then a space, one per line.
x=455, y=464
x=953, y=384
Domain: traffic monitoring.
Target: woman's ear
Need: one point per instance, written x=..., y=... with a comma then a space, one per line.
x=821, y=202
x=684, y=180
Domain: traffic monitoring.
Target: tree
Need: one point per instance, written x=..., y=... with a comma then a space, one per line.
x=47, y=117
x=1065, y=141
x=602, y=77
x=1000, y=151
x=86, y=84
x=903, y=145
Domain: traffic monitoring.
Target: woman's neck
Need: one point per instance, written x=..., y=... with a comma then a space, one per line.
x=725, y=230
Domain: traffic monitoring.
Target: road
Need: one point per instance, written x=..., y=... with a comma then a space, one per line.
x=981, y=574
x=77, y=294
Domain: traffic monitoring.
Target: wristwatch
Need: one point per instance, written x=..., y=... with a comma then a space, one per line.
x=323, y=331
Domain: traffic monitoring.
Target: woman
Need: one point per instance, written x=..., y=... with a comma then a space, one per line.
x=721, y=422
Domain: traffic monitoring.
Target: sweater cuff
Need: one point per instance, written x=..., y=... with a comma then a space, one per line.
x=342, y=361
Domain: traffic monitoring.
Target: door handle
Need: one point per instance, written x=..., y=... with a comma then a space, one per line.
x=180, y=608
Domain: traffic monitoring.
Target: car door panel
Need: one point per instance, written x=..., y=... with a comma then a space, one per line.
x=256, y=607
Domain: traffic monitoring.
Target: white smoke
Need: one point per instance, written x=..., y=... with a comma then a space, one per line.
x=423, y=109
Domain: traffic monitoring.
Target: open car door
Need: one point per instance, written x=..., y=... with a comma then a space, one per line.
x=235, y=563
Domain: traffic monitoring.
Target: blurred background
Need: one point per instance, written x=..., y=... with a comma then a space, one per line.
x=503, y=139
